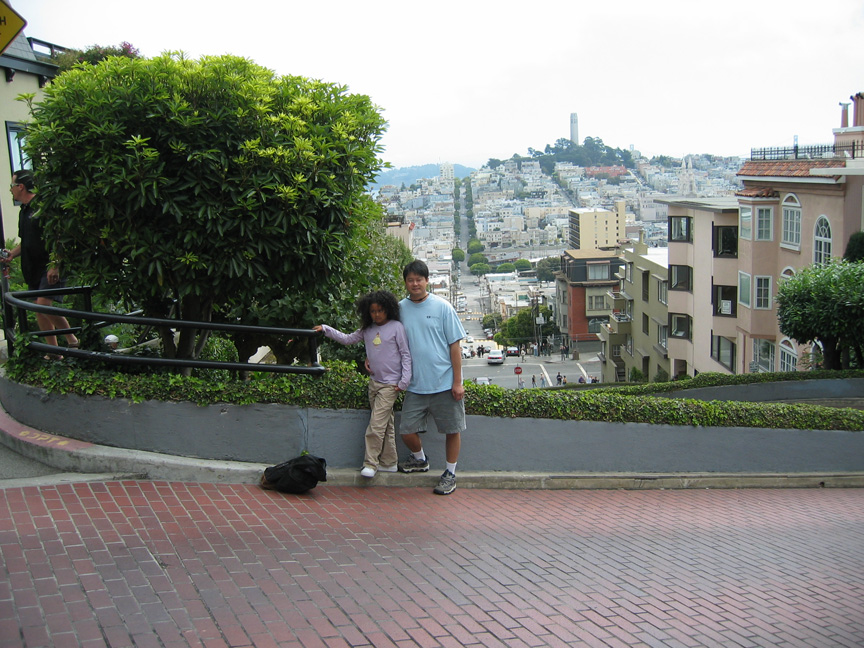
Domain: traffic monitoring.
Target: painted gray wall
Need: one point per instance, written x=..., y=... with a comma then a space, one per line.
x=272, y=433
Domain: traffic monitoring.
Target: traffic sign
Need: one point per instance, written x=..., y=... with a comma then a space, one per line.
x=517, y=370
x=11, y=25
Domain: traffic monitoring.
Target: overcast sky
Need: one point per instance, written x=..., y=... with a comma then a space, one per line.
x=465, y=81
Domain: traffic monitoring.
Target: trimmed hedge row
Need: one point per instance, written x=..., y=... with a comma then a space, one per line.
x=343, y=388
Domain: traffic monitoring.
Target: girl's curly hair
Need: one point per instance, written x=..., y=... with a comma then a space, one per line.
x=384, y=299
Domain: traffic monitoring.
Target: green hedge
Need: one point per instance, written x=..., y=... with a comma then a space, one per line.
x=343, y=388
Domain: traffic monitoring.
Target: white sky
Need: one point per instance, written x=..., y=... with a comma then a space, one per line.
x=465, y=81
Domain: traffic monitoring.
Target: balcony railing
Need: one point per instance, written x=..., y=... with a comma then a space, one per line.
x=852, y=150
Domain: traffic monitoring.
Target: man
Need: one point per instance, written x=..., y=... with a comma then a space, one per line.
x=434, y=335
x=39, y=273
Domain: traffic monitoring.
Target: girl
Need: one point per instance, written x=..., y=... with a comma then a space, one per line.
x=389, y=362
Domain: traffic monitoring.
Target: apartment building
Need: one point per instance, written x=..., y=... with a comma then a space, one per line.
x=594, y=228
x=581, y=289
x=637, y=332
x=799, y=206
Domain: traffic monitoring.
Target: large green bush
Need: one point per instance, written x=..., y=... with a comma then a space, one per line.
x=343, y=388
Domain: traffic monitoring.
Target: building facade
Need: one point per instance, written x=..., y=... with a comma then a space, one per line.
x=581, y=288
x=727, y=257
x=596, y=228
x=635, y=337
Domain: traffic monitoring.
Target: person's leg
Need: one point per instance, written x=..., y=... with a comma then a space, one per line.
x=387, y=457
x=414, y=409
x=53, y=322
x=452, y=445
x=381, y=404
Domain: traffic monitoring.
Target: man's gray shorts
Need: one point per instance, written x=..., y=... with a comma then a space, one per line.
x=449, y=414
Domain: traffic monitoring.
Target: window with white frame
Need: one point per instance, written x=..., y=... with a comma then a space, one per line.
x=763, y=292
x=791, y=236
x=763, y=355
x=662, y=291
x=15, y=135
x=788, y=356
x=596, y=302
x=662, y=335
x=822, y=241
x=745, y=222
x=764, y=223
x=744, y=288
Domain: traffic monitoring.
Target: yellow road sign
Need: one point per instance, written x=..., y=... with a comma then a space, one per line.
x=10, y=25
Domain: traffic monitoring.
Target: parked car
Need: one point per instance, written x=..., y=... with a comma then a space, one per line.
x=469, y=339
x=482, y=380
x=466, y=351
x=495, y=356
x=512, y=351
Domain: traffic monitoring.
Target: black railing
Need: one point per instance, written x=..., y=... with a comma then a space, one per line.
x=15, y=300
x=851, y=151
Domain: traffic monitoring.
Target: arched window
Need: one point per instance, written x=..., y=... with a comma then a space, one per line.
x=822, y=241
x=787, y=273
x=788, y=356
x=791, y=236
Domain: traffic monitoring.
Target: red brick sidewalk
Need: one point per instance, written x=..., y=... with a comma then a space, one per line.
x=172, y=564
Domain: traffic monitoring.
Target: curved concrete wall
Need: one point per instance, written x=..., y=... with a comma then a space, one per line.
x=271, y=433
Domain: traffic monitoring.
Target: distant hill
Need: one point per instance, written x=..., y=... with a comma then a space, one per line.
x=408, y=175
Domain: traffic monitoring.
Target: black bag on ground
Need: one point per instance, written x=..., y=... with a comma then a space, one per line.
x=296, y=475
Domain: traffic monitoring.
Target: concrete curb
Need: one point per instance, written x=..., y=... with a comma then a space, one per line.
x=82, y=461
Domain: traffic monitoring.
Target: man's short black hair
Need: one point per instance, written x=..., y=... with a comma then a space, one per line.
x=25, y=177
x=417, y=267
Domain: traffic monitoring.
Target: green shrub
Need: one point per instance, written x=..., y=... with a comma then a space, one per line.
x=342, y=387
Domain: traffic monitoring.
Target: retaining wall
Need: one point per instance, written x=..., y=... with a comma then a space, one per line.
x=270, y=433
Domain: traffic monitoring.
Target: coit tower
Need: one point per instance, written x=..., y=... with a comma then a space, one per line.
x=574, y=128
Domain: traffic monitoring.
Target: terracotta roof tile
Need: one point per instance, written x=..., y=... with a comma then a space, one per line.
x=763, y=192
x=787, y=168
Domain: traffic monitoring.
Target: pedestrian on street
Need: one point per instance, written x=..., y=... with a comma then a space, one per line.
x=39, y=271
x=558, y=378
x=542, y=380
x=436, y=389
x=534, y=381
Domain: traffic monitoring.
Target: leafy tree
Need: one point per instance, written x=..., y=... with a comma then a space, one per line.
x=506, y=267
x=474, y=246
x=480, y=269
x=546, y=268
x=477, y=258
x=520, y=329
x=494, y=163
x=492, y=321
x=825, y=303
x=522, y=264
x=458, y=255
x=855, y=248
x=93, y=55
x=213, y=185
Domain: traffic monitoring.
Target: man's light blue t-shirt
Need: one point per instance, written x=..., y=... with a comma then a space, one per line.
x=432, y=326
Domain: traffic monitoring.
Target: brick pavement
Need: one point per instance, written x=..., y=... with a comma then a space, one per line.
x=175, y=564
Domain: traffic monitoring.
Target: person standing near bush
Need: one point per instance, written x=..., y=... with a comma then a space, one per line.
x=389, y=362
x=36, y=266
x=436, y=389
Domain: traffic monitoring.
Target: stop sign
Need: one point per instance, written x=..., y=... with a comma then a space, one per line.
x=517, y=370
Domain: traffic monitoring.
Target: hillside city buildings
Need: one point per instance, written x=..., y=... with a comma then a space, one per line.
x=673, y=271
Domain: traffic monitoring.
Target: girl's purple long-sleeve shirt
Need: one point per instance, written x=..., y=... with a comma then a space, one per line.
x=389, y=359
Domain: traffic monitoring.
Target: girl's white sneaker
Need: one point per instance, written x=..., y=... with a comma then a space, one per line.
x=368, y=472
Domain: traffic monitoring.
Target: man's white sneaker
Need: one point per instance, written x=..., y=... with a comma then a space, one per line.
x=368, y=472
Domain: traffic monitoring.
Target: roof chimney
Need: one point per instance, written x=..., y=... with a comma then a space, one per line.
x=844, y=115
x=858, y=109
